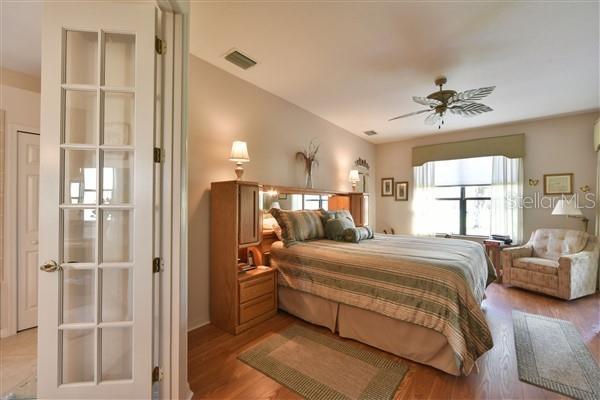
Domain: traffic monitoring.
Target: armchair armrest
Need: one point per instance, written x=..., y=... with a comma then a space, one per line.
x=508, y=255
x=518, y=252
x=578, y=273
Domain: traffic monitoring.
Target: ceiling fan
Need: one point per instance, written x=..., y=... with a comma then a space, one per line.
x=443, y=101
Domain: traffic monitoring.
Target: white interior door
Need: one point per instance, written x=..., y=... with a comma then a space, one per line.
x=96, y=226
x=28, y=171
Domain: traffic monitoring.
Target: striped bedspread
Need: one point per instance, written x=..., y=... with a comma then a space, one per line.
x=432, y=282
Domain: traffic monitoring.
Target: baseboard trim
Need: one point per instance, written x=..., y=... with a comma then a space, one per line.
x=196, y=325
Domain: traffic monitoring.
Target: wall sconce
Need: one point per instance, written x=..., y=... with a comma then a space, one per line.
x=534, y=182
x=354, y=178
x=239, y=155
x=585, y=188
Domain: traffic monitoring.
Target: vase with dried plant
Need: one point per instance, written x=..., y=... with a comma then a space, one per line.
x=309, y=157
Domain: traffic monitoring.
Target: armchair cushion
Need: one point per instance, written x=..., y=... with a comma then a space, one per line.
x=537, y=264
x=554, y=243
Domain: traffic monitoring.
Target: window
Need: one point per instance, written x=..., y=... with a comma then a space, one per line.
x=462, y=193
x=314, y=201
x=473, y=196
x=464, y=210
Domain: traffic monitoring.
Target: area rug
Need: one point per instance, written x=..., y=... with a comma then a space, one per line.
x=551, y=354
x=25, y=390
x=320, y=367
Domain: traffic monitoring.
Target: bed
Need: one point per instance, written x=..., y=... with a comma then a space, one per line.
x=419, y=298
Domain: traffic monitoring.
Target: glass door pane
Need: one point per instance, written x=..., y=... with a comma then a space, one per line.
x=97, y=239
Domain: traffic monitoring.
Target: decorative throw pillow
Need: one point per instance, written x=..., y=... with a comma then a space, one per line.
x=334, y=228
x=337, y=214
x=355, y=235
x=297, y=226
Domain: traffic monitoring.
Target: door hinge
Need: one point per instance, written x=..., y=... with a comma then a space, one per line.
x=160, y=46
x=157, y=374
x=156, y=264
x=158, y=155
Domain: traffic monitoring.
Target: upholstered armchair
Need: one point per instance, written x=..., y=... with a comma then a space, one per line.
x=558, y=262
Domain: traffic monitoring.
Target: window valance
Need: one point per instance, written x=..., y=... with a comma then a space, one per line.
x=510, y=146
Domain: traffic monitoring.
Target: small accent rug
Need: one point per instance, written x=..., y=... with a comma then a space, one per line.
x=551, y=354
x=25, y=390
x=320, y=367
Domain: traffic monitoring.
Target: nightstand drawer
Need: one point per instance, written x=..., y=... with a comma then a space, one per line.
x=253, y=288
x=257, y=307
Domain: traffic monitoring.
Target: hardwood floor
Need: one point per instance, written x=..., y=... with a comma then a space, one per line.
x=215, y=372
x=18, y=364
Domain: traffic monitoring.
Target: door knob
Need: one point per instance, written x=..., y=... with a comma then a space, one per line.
x=50, y=266
x=34, y=242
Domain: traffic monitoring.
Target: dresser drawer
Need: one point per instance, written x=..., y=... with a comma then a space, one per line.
x=256, y=307
x=253, y=288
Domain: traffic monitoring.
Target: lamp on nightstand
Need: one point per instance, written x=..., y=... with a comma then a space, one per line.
x=239, y=155
x=354, y=178
x=568, y=208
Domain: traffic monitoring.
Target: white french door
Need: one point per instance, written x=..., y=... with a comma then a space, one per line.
x=96, y=208
x=28, y=171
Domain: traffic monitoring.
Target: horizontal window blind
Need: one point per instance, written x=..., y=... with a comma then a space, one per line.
x=466, y=171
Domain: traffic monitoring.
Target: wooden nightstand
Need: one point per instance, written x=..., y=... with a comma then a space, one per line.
x=257, y=295
x=493, y=248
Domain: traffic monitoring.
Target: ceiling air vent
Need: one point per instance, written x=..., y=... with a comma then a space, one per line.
x=370, y=133
x=242, y=61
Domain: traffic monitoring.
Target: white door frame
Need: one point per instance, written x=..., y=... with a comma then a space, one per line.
x=8, y=312
x=174, y=295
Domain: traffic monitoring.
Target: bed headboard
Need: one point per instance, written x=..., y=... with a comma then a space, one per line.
x=292, y=198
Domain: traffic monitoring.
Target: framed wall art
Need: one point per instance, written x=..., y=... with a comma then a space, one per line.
x=402, y=191
x=387, y=187
x=555, y=184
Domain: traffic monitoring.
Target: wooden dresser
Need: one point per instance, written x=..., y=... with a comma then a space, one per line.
x=238, y=300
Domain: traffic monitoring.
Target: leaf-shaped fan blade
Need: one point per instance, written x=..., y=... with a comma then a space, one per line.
x=408, y=115
x=426, y=101
x=470, y=109
x=433, y=119
x=473, y=94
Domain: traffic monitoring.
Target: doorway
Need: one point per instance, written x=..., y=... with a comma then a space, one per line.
x=19, y=352
x=21, y=200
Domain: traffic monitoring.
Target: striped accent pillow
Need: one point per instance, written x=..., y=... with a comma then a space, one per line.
x=355, y=235
x=297, y=226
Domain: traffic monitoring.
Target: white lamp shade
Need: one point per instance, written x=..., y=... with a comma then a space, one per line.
x=354, y=177
x=239, y=152
x=566, y=207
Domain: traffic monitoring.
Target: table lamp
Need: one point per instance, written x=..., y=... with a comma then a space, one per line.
x=354, y=178
x=239, y=155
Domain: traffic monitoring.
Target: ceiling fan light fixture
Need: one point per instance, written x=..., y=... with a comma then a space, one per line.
x=458, y=103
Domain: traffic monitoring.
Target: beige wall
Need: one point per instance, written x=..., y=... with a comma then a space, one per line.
x=16, y=79
x=224, y=108
x=554, y=145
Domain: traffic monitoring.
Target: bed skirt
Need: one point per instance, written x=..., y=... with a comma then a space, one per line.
x=406, y=340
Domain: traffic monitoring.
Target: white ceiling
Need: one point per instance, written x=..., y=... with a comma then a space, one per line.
x=359, y=64
x=21, y=36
